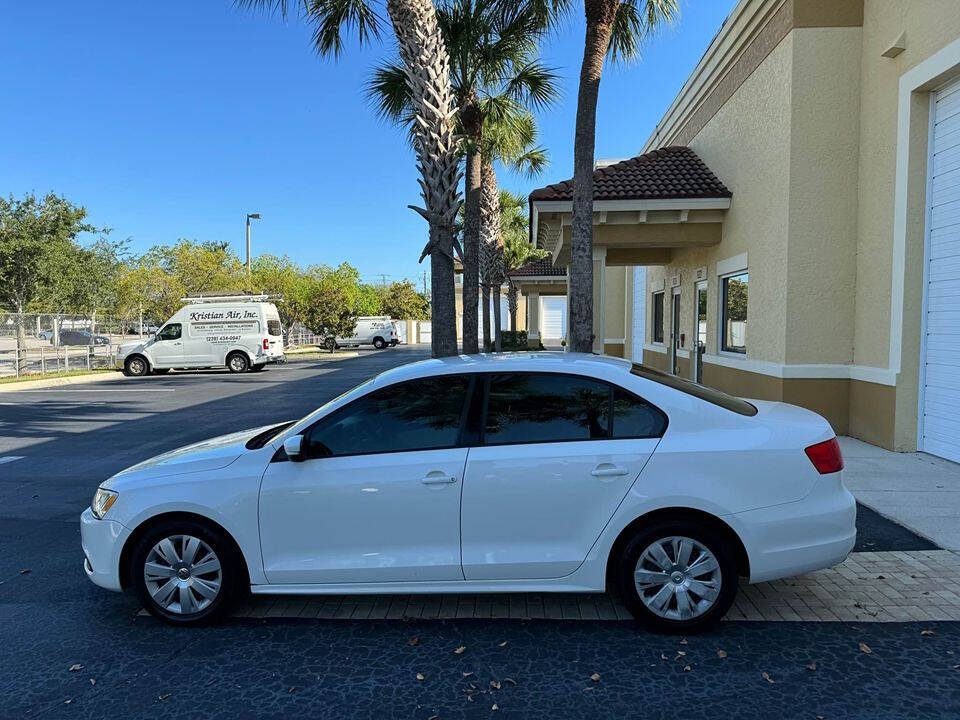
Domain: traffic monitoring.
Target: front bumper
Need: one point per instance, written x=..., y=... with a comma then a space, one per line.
x=102, y=542
x=816, y=532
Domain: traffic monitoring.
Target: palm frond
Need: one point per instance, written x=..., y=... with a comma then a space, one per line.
x=533, y=84
x=330, y=17
x=634, y=22
x=389, y=92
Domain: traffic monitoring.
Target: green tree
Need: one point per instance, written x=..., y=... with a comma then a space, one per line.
x=426, y=70
x=402, y=301
x=615, y=28
x=331, y=309
x=282, y=276
x=496, y=76
x=34, y=233
x=517, y=250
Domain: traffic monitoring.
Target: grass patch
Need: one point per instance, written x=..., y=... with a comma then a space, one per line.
x=47, y=376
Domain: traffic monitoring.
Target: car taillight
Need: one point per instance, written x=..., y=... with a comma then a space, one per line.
x=826, y=456
x=266, y=343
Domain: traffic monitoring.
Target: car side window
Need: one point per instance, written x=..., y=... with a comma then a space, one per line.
x=636, y=418
x=422, y=414
x=170, y=332
x=545, y=407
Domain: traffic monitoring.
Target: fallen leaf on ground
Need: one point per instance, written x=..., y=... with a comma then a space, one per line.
x=460, y=650
x=163, y=698
x=927, y=632
x=663, y=656
x=503, y=644
x=681, y=653
x=687, y=668
x=293, y=688
x=812, y=666
x=495, y=707
x=595, y=677
x=467, y=674
x=419, y=676
x=865, y=649
x=93, y=681
x=683, y=641
x=510, y=680
x=721, y=653
x=495, y=684
x=413, y=641
x=27, y=571
x=75, y=667
x=766, y=676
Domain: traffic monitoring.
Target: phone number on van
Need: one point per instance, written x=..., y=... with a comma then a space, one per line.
x=223, y=338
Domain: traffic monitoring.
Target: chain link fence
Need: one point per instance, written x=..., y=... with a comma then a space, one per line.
x=40, y=343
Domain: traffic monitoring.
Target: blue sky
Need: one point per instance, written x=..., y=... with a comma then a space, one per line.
x=175, y=119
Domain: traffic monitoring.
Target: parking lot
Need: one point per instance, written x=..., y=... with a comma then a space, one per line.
x=68, y=649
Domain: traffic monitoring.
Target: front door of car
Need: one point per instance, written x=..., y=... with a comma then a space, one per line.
x=378, y=497
x=167, y=348
x=557, y=456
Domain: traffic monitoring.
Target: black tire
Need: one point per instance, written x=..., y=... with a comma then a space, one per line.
x=238, y=362
x=161, y=371
x=394, y=343
x=136, y=366
x=257, y=368
x=714, y=542
x=330, y=344
x=379, y=343
x=233, y=579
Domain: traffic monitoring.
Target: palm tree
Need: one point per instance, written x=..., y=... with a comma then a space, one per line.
x=426, y=72
x=517, y=250
x=615, y=28
x=494, y=74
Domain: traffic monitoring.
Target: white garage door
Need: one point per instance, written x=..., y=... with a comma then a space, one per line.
x=553, y=317
x=940, y=429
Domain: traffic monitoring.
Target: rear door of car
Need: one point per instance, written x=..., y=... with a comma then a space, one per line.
x=554, y=458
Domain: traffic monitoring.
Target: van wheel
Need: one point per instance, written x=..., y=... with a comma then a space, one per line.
x=379, y=343
x=237, y=362
x=136, y=366
x=677, y=576
x=186, y=572
x=394, y=343
x=330, y=344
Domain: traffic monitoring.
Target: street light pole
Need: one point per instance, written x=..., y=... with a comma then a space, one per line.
x=250, y=216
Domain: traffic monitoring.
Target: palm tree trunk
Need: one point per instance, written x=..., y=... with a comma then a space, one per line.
x=497, y=346
x=512, y=301
x=485, y=290
x=427, y=67
x=600, y=15
x=471, y=249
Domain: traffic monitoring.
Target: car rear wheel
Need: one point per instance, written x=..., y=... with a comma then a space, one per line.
x=237, y=362
x=677, y=576
x=379, y=343
x=186, y=573
x=136, y=366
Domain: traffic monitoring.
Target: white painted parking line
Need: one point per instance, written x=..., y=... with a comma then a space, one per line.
x=10, y=458
x=97, y=390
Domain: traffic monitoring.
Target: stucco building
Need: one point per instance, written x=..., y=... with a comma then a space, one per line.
x=822, y=267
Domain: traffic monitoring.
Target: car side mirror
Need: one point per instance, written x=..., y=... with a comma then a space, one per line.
x=293, y=447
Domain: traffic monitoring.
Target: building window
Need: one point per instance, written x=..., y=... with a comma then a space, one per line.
x=658, y=317
x=734, y=318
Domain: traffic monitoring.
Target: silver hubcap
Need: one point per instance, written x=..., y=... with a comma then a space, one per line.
x=136, y=367
x=677, y=578
x=182, y=574
x=236, y=363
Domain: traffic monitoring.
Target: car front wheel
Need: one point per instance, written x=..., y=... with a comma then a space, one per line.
x=185, y=573
x=678, y=576
x=135, y=366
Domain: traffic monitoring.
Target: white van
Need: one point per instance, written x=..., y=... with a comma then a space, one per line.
x=239, y=332
x=376, y=330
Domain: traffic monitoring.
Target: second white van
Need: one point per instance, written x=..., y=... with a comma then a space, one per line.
x=376, y=330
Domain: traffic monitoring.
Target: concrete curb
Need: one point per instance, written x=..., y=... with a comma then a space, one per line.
x=56, y=382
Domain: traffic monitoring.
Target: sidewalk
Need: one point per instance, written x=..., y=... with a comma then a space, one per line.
x=919, y=491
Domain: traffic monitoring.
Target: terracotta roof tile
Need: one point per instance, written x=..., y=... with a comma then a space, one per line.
x=668, y=173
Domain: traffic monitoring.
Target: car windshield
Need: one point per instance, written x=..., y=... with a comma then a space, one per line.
x=716, y=397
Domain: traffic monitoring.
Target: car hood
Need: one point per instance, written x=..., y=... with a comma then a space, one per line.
x=128, y=347
x=209, y=454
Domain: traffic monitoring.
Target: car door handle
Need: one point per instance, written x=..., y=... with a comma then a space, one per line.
x=438, y=478
x=608, y=470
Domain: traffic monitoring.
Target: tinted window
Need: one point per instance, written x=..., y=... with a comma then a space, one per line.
x=658, y=317
x=273, y=327
x=170, y=332
x=416, y=415
x=735, y=313
x=635, y=418
x=530, y=408
x=728, y=402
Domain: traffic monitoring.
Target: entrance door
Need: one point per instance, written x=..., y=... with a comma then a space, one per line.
x=553, y=317
x=939, y=427
x=700, y=331
x=675, y=334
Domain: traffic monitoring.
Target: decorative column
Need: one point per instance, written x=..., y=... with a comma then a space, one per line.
x=599, y=297
x=533, y=320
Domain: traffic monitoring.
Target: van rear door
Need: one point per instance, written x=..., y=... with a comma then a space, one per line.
x=273, y=340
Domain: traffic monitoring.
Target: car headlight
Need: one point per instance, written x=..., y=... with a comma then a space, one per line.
x=103, y=500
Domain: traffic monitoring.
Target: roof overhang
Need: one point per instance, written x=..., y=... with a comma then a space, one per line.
x=635, y=232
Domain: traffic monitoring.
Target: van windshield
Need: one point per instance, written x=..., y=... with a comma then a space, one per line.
x=716, y=397
x=273, y=327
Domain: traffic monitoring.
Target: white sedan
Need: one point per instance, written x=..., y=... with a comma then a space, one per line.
x=532, y=472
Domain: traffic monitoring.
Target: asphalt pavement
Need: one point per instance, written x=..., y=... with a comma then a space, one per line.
x=68, y=649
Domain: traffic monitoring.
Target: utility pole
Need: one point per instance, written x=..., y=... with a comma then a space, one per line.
x=383, y=279
x=250, y=216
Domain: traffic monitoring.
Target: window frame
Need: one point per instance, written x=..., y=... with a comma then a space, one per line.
x=653, y=317
x=722, y=314
x=611, y=387
x=469, y=399
x=170, y=325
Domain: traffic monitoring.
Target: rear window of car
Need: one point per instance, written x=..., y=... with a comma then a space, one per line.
x=715, y=397
x=273, y=327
